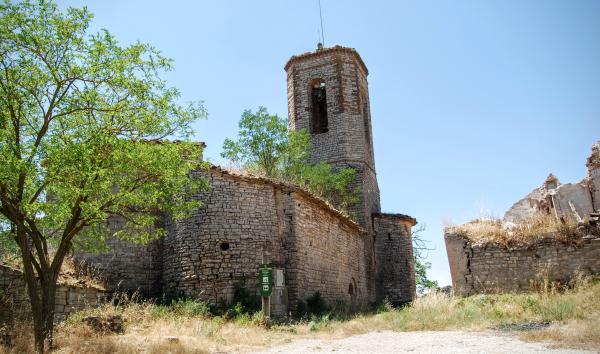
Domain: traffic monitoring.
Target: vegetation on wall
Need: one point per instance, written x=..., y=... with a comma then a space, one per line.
x=265, y=146
x=81, y=126
x=541, y=227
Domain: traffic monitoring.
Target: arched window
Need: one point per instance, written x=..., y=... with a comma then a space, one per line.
x=318, y=96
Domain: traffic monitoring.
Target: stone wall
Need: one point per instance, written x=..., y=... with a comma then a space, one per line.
x=327, y=257
x=245, y=221
x=480, y=269
x=395, y=278
x=125, y=266
x=223, y=243
x=14, y=299
x=315, y=247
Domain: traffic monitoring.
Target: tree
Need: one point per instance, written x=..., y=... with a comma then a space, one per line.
x=82, y=123
x=266, y=146
x=420, y=249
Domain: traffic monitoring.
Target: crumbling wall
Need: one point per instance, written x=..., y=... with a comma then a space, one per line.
x=570, y=200
x=15, y=301
x=394, y=262
x=527, y=207
x=573, y=198
x=593, y=165
x=493, y=268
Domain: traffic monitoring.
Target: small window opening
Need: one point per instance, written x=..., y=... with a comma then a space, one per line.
x=319, y=122
x=224, y=246
x=389, y=236
x=230, y=275
x=350, y=289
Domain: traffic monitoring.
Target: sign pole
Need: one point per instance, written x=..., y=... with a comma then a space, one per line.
x=266, y=276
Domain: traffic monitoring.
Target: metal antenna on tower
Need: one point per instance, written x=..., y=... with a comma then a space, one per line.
x=321, y=17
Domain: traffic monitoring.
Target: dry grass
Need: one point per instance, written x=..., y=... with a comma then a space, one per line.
x=542, y=227
x=583, y=334
x=573, y=315
x=71, y=273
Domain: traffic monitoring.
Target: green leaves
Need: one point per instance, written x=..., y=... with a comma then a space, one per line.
x=265, y=146
x=263, y=143
x=81, y=121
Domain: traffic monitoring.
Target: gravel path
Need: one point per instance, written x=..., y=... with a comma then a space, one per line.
x=419, y=342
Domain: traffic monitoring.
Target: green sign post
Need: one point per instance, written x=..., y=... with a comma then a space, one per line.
x=265, y=280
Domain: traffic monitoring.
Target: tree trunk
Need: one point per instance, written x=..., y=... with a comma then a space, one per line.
x=43, y=315
x=33, y=290
x=41, y=288
x=48, y=297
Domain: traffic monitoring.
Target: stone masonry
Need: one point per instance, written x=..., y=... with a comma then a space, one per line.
x=69, y=299
x=480, y=269
x=248, y=220
x=493, y=268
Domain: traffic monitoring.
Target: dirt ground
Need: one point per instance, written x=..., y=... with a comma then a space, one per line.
x=420, y=342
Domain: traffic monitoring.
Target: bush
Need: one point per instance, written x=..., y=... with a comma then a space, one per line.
x=250, y=303
x=182, y=307
x=316, y=305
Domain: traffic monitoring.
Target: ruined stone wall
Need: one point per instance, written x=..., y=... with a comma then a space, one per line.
x=327, y=257
x=394, y=262
x=125, y=266
x=15, y=301
x=562, y=200
x=593, y=165
x=479, y=269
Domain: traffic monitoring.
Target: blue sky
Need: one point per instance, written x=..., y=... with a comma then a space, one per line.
x=473, y=102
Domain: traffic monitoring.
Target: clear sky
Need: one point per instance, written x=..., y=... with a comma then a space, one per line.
x=473, y=102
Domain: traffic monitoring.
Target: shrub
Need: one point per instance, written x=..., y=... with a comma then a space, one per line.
x=538, y=228
x=316, y=305
x=250, y=303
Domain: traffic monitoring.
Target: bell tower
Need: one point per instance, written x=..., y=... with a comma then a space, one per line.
x=328, y=95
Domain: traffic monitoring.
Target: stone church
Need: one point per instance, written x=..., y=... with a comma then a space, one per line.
x=246, y=220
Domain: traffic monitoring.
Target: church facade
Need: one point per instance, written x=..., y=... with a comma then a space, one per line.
x=246, y=220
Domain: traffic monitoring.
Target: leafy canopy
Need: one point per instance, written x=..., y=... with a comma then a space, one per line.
x=266, y=146
x=80, y=122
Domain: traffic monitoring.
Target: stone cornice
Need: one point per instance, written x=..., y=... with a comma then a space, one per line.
x=319, y=52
